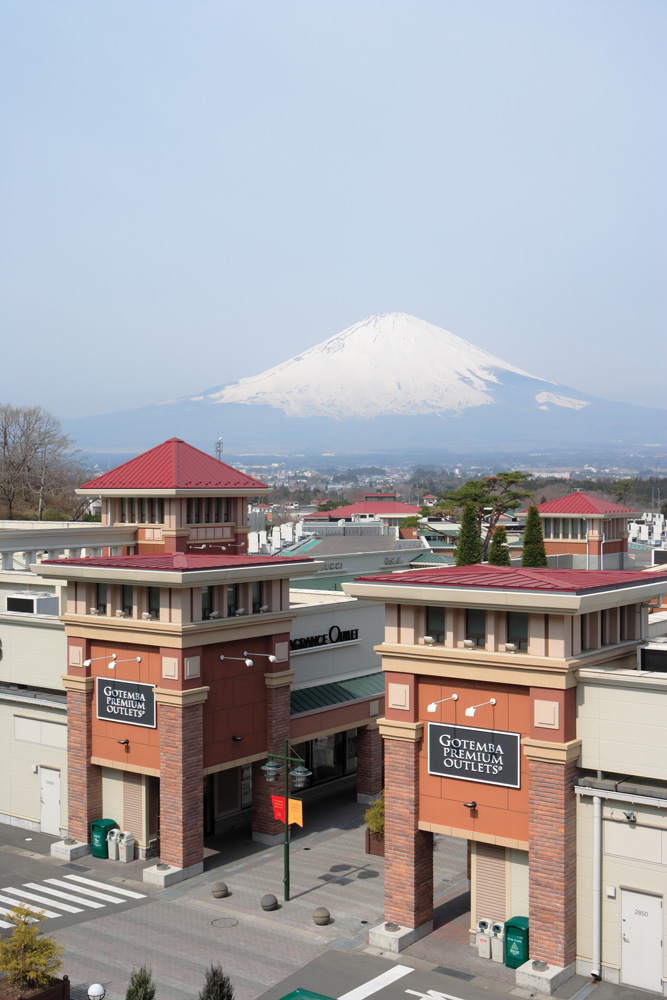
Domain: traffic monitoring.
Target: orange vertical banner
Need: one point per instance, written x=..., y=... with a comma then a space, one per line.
x=295, y=812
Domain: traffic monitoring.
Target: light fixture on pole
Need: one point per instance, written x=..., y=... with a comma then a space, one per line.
x=113, y=661
x=248, y=662
x=87, y=663
x=434, y=704
x=299, y=776
x=470, y=712
x=270, y=657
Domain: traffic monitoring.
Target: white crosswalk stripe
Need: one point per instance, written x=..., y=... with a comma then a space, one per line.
x=63, y=895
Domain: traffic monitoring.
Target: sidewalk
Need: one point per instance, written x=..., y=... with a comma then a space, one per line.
x=184, y=928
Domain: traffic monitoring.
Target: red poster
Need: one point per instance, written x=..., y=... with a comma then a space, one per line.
x=278, y=807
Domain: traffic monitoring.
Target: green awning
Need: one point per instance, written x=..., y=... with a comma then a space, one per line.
x=336, y=693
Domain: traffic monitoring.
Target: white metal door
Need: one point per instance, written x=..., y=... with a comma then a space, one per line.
x=641, y=940
x=50, y=799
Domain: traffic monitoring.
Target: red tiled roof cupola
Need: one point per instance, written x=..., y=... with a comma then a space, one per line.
x=582, y=504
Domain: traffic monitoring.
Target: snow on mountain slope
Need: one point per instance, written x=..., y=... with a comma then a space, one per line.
x=390, y=364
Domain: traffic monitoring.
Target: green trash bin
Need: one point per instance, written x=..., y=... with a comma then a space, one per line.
x=99, y=829
x=516, y=942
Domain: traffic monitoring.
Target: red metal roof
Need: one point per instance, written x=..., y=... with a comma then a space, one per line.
x=177, y=562
x=516, y=578
x=174, y=465
x=384, y=507
x=582, y=503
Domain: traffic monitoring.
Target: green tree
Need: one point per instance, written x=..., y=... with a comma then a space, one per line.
x=622, y=490
x=141, y=985
x=412, y=521
x=28, y=960
x=469, y=549
x=534, y=553
x=217, y=986
x=491, y=497
x=374, y=815
x=499, y=554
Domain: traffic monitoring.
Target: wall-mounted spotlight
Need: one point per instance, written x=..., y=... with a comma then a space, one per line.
x=270, y=657
x=434, y=704
x=213, y=614
x=469, y=643
x=248, y=662
x=470, y=805
x=120, y=613
x=146, y=615
x=630, y=816
x=264, y=608
x=94, y=611
x=123, y=743
x=87, y=663
x=470, y=712
x=239, y=612
x=510, y=647
x=112, y=663
x=429, y=640
x=237, y=739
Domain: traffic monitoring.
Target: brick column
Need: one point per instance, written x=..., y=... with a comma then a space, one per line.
x=181, y=767
x=408, y=851
x=552, y=857
x=370, y=760
x=84, y=780
x=265, y=828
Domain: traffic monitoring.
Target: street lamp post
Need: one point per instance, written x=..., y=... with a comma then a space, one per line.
x=300, y=776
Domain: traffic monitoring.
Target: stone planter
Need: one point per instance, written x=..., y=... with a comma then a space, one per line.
x=375, y=844
x=58, y=990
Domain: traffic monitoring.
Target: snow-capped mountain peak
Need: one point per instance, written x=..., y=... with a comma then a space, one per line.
x=389, y=364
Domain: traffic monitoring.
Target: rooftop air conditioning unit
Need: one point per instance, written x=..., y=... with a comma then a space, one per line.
x=30, y=603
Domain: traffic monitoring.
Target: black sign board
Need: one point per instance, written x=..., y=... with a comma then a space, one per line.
x=126, y=701
x=488, y=756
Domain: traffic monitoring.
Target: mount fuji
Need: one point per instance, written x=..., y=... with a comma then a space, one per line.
x=388, y=383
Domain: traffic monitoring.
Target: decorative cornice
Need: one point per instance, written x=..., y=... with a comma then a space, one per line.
x=83, y=685
x=118, y=766
x=406, y=732
x=550, y=753
x=181, y=699
x=280, y=679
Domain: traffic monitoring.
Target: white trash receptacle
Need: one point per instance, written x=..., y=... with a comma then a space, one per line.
x=483, y=938
x=498, y=943
x=112, y=844
x=126, y=846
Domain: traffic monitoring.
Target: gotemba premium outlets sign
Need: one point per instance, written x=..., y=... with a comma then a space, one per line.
x=484, y=755
x=126, y=701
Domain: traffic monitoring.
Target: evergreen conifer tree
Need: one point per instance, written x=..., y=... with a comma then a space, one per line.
x=141, y=985
x=469, y=549
x=534, y=553
x=499, y=554
x=217, y=986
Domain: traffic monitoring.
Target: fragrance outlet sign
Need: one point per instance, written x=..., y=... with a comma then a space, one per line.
x=126, y=701
x=488, y=756
x=330, y=638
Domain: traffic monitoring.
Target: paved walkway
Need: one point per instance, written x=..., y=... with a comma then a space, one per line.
x=183, y=929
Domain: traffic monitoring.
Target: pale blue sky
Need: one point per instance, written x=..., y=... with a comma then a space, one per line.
x=193, y=191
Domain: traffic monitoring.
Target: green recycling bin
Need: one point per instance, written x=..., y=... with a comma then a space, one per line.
x=516, y=942
x=99, y=829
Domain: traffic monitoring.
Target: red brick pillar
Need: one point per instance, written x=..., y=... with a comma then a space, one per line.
x=370, y=760
x=408, y=851
x=265, y=828
x=181, y=730
x=552, y=857
x=84, y=780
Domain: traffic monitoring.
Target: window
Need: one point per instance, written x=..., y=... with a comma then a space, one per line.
x=476, y=626
x=216, y=515
x=154, y=601
x=547, y=527
x=566, y=527
x=232, y=599
x=206, y=602
x=142, y=511
x=101, y=599
x=127, y=599
x=207, y=510
x=123, y=514
x=256, y=596
x=556, y=527
x=574, y=527
x=435, y=624
x=517, y=629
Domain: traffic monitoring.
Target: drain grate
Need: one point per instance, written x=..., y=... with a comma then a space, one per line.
x=77, y=868
x=224, y=922
x=454, y=973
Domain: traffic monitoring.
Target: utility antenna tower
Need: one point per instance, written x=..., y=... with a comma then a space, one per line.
x=218, y=449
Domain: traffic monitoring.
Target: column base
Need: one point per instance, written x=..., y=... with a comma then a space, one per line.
x=368, y=799
x=170, y=875
x=269, y=839
x=68, y=852
x=545, y=981
x=398, y=940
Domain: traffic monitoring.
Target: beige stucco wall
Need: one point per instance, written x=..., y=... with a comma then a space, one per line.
x=19, y=784
x=622, y=721
x=643, y=870
x=33, y=650
x=517, y=883
x=112, y=795
x=321, y=664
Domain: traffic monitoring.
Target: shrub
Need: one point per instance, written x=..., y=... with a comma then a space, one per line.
x=217, y=986
x=141, y=985
x=374, y=815
x=499, y=554
x=29, y=960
